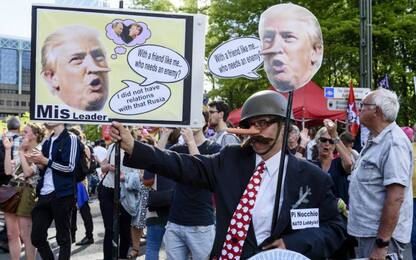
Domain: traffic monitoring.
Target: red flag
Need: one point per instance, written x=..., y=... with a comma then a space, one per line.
x=105, y=134
x=352, y=113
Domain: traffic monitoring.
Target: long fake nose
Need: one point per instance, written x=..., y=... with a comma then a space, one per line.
x=276, y=47
x=92, y=66
x=243, y=131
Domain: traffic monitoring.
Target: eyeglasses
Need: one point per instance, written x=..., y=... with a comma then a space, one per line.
x=324, y=140
x=362, y=105
x=263, y=123
x=213, y=111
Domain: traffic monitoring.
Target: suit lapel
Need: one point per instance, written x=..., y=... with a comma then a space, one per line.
x=290, y=188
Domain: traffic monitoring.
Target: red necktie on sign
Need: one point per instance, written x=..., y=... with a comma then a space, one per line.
x=240, y=222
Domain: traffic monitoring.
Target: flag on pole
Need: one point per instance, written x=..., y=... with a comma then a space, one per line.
x=352, y=113
x=384, y=82
x=414, y=82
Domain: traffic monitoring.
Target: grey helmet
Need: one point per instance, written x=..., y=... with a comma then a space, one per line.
x=263, y=103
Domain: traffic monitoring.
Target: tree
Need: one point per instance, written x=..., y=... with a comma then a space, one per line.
x=92, y=132
x=155, y=5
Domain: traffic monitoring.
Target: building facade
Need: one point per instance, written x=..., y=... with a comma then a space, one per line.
x=14, y=76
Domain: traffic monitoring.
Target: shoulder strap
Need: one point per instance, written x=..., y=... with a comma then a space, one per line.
x=109, y=156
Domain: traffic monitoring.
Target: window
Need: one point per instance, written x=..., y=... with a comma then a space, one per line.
x=1, y=102
x=23, y=103
x=9, y=61
x=16, y=103
x=9, y=103
x=26, y=67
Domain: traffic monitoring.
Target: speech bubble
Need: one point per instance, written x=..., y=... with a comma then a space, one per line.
x=235, y=58
x=157, y=64
x=136, y=99
x=118, y=50
x=123, y=37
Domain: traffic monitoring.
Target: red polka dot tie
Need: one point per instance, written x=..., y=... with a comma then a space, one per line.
x=240, y=222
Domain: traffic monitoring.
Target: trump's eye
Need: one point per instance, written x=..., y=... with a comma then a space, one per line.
x=288, y=36
x=267, y=40
x=76, y=60
x=98, y=55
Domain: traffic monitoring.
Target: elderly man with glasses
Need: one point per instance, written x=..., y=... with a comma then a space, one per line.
x=380, y=190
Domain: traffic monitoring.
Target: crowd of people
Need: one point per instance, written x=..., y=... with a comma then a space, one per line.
x=223, y=196
x=183, y=186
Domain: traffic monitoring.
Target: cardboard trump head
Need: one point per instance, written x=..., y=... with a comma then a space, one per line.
x=75, y=68
x=292, y=45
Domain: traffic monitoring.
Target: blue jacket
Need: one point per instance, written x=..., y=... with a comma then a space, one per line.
x=64, y=158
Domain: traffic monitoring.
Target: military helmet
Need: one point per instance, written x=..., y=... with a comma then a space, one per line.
x=263, y=103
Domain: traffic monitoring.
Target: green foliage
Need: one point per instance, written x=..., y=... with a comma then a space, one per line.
x=155, y=5
x=92, y=132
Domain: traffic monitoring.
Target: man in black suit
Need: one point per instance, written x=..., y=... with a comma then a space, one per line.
x=306, y=189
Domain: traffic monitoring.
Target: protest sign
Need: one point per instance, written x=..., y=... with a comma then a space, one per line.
x=236, y=58
x=98, y=65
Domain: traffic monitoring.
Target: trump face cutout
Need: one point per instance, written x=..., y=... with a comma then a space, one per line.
x=292, y=45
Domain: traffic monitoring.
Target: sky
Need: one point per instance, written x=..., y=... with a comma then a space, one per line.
x=15, y=16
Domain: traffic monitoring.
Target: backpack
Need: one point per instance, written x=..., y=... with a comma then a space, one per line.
x=86, y=165
x=4, y=179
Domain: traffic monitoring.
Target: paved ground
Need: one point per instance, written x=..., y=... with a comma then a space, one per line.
x=94, y=251
x=90, y=252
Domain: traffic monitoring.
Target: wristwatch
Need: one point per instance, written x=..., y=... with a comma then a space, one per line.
x=337, y=140
x=381, y=243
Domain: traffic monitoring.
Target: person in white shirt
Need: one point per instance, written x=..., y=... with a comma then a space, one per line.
x=218, y=114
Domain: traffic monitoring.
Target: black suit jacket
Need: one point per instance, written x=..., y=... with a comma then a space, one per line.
x=227, y=174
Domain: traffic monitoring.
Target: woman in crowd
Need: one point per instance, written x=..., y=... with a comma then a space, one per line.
x=297, y=141
x=24, y=173
x=106, y=198
x=134, y=197
x=338, y=167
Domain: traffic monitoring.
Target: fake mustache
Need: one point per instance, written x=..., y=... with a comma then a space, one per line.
x=260, y=139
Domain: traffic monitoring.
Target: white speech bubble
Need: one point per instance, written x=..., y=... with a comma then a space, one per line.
x=157, y=64
x=235, y=58
x=137, y=99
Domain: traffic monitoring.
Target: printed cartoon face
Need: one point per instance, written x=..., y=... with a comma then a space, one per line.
x=135, y=30
x=79, y=75
x=118, y=28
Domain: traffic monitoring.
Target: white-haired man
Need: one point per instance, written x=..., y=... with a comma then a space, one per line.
x=380, y=215
x=292, y=45
x=75, y=68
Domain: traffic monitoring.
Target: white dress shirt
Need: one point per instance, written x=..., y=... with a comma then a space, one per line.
x=48, y=186
x=263, y=208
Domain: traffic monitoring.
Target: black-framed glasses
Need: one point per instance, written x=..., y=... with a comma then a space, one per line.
x=324, y=140
x=213, y=111
x=362, y=105
x=263, y=123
